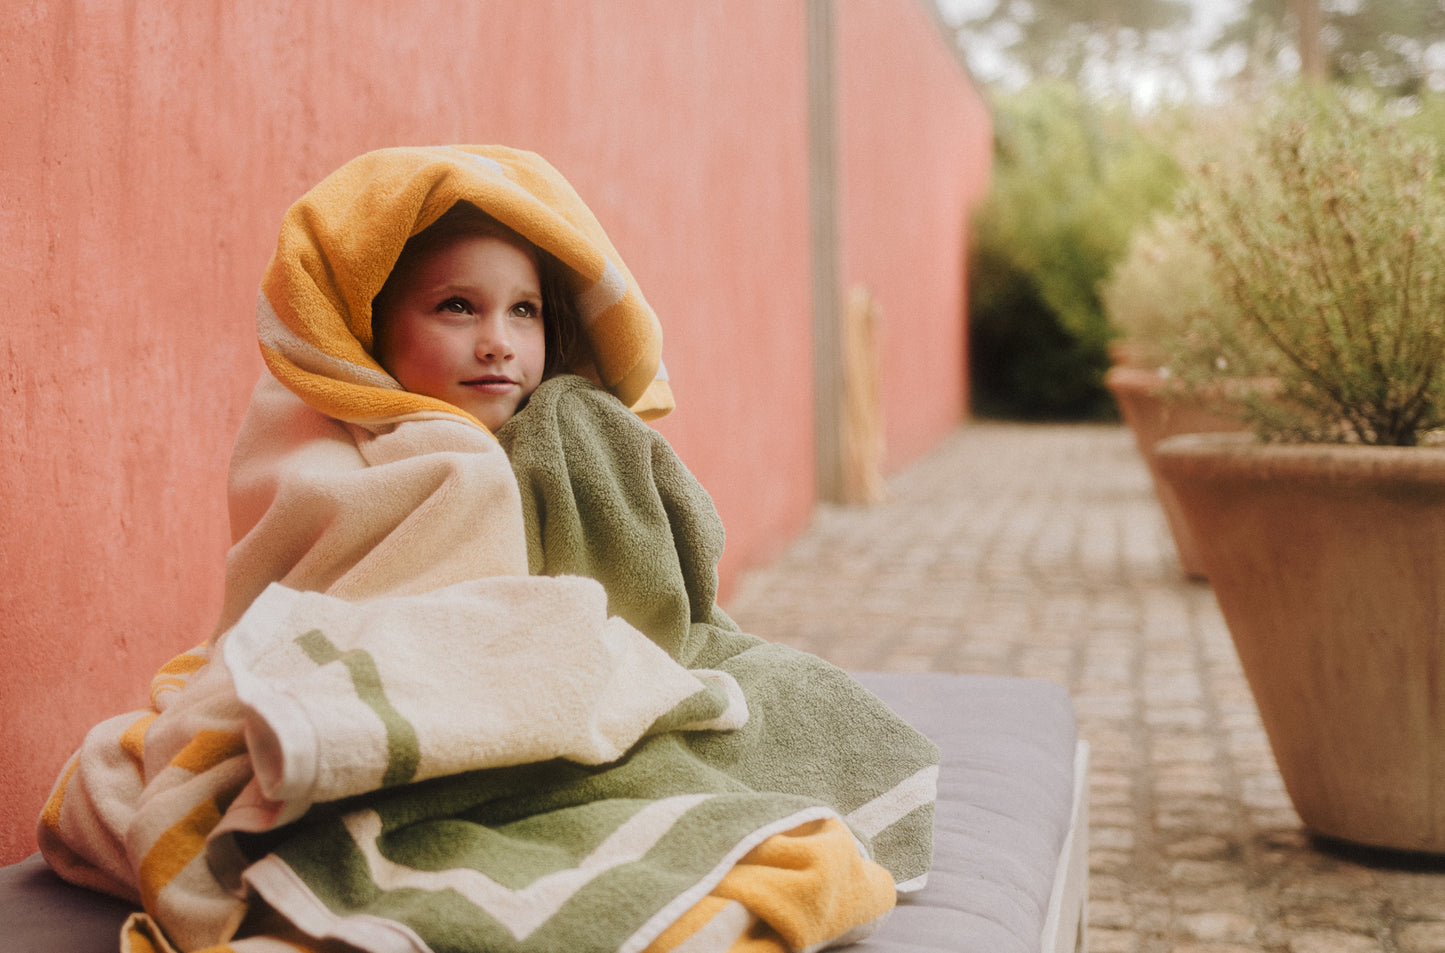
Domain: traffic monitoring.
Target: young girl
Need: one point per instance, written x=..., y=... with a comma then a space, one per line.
x=461, y=701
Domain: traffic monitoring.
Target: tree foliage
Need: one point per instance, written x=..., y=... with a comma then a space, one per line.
x=1098, y=46
x=1071, y=182
x=1393, y=46
x=1396, y=47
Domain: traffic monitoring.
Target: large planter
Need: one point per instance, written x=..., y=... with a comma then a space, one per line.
x=1129, y=352
x=1328, y=563
x=1153, y=413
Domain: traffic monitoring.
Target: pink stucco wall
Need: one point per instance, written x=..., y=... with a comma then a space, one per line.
x=147, y=153
x=915, y=141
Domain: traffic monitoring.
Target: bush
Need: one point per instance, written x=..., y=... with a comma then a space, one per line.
x=1071, y=181
x=1327, y=237
x=1165, y=281
x=1023, y=364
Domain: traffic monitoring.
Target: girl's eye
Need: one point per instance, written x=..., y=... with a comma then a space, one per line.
x=456, y=306
x=526, y=309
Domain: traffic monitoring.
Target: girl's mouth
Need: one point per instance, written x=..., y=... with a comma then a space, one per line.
x=490, y=383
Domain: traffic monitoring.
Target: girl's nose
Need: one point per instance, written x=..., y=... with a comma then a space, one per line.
x=494, y=340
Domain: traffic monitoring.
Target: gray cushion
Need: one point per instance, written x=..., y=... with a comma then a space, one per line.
x=1005, y=795
x=1005, y=792
x=40, y=913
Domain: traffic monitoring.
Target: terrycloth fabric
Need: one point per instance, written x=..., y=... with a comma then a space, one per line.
x=398, y=739
x=605, y=496
x=319, y=505
x=346, y=698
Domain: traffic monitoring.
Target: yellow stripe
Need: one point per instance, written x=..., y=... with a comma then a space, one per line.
x=811, y=884
x=133, y=741
x=172, y=676
x=50, y=815
x=656, y=401
x=763, y=939
x=141, y=934
x=174, y=849
x=165, y=683
x=185, y=840
x=208, y=749
x=184, y=664
x=136, y=939
x=807, y=885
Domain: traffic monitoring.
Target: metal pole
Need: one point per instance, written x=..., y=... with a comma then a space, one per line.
x=827, y=294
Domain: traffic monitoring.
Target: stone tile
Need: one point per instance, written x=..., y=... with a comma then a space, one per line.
x=1113, y=815
x=1355, y=916
x=1333, y=941
x=1175, y=718
x=1223, y=896
x=1426, y=937
x=1111, y=838
x=1110, y=790
x=1200, y=847
x=1112, y=914
x=1107, y=940
x=1422, y=901
x=1110, y=861
x=1217, y=926
x=1199, y=785
x=1106, y=887
x=1321, y=880
x=1153, y=921
x=1189, y=748
x=1195, y=817
x=1197, y=873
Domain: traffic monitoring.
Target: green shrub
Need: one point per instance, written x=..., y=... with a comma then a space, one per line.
x=1327, y=236
x=1023, y=364
x=1428, y=120
x=1071, y=181
x=1165, y=281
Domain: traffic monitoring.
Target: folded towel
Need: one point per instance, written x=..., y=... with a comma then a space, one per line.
x=343, y=698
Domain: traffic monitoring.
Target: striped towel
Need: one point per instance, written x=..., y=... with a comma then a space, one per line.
x=403, y=736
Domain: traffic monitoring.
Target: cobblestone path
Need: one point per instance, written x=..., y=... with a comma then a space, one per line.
x=1038, y=550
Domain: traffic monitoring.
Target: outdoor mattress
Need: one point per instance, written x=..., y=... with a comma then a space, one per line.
x=1010, y=844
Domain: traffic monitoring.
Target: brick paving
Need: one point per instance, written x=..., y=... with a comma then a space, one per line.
x=1038, y=550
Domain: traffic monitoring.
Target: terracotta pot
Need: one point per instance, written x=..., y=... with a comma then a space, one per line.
x=1154, y=414
x=1128, y=352
x=1328, y=563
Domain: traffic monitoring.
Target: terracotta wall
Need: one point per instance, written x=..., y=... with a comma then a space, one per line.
x=914, y=152
x=149, y=149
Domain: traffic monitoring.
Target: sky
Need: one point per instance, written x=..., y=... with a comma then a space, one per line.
x=1146, y=86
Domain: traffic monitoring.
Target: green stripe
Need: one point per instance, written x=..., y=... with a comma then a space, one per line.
x=403, y=752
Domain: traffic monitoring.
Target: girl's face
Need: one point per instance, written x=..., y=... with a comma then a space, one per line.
x=466, y=327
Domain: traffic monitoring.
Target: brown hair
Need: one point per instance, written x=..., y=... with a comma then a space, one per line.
x=561, y=318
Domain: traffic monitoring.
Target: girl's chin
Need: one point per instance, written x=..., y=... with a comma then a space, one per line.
x=493, y=413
